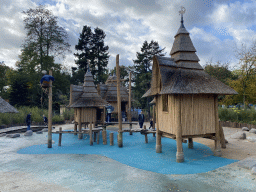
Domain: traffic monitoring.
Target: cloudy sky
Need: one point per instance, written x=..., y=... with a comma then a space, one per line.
x=216, y=27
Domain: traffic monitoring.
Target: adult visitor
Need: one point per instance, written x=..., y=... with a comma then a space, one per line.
x=28, y=121
x=45, y=120
x=141, y=119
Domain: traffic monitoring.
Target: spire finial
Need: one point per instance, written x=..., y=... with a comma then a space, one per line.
x=182, y=12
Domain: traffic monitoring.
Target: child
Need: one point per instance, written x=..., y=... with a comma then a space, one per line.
x=151, y=124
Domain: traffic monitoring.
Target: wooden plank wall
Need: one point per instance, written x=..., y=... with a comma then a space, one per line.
x=87, y=115
x=197, y=114
x=166, y=120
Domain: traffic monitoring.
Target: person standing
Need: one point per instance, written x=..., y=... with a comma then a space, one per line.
x=45, y=120
x=28, y=121
x=109, y=114
x=141, y=119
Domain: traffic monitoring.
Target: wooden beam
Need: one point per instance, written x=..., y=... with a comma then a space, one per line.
x=222, y=137
x=190, y=143
x=154, y=118
x=217, y=151
x=80, y=135
x=90, y=132
x=50, y=113
x=179, y=154
x=158, y=134
x=111, y=138
x=60, y=136
x=75, y=129
x=120, y=134
x=130, y=102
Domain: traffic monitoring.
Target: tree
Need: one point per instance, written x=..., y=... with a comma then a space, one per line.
x=19, y=94
x=44, y=36
x=3, y=79
x=124, y=74
x=143, y=70
x=219, y=71
x=91, y=48
x=247, y=64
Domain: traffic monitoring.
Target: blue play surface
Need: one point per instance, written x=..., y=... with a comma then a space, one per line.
x=136, y=153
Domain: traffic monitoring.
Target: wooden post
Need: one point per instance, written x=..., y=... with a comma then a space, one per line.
x=154, y=119
x=94, y=136
x=104, y=115
x=104, y=135
x=217, y=151
x=190, y=143
x=60, y=136
x=50, y=113
x=111, y=138
x=120, y=134
x=80, y=135
x=98, y=137
x=222, y=137
x=90, y=132
x=179, y=154
x=158, y=134
x=130, y=102
x=75, y=129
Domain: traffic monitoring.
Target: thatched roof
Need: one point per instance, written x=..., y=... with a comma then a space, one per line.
x=181, y=80
x=109, y=90
x=86, y=95
x=182, y=74
x=5, y=107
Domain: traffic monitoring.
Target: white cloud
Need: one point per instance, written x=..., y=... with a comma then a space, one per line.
x=128, y=24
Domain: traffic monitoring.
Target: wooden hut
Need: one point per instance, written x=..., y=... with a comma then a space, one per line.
x=5, y=107
x=185, y=96
x=108, y=91
x=88, y=104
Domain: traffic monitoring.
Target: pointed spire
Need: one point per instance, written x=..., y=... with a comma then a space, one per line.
x=182, y=28
x=182, y=11
x=183, y=50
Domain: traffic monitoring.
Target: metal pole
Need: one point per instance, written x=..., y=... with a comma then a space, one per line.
x=50, y=113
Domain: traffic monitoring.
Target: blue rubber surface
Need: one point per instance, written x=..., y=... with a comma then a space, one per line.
x=137, y=153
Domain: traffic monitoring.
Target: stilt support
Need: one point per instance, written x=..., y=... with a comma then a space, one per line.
x=90, y=132
x=158, y=143
x=75, y=129
x=190, y=143
x=111, y=138
x=60, y=136
x=120, y=139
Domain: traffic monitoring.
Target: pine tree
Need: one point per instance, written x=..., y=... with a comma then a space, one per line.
x=143, y=70
x=91, y=48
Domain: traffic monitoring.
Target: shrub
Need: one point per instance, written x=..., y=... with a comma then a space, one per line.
x=20, y=118
x=57, y=118
x=69, y=114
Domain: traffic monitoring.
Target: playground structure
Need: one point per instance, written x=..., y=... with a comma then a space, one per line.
x=108, y=91
x=185, y=100
x=89, y=107
x=185, y=96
